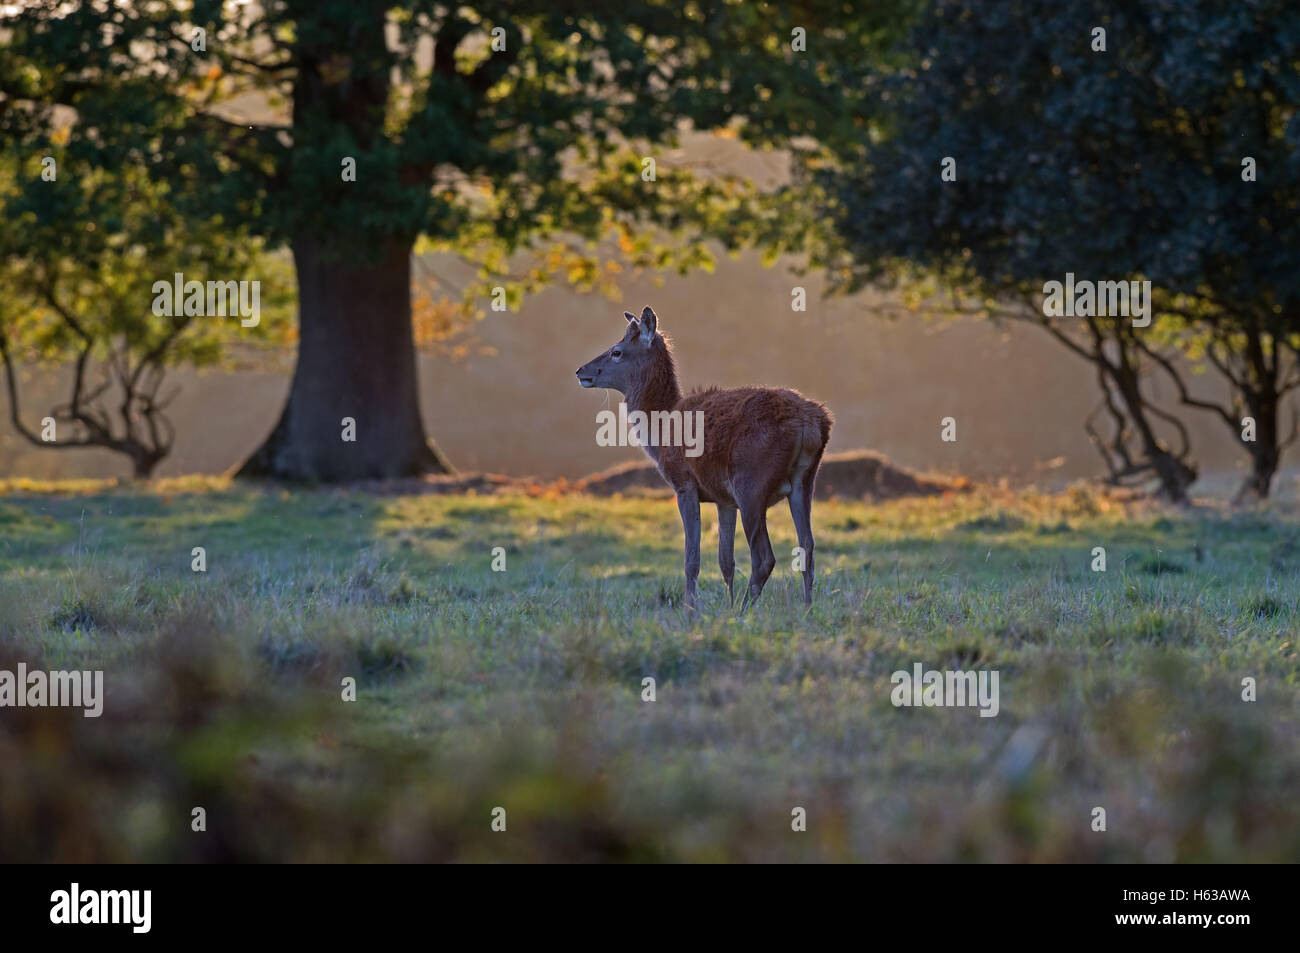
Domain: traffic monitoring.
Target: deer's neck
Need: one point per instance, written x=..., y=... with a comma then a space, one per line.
x=658, y=390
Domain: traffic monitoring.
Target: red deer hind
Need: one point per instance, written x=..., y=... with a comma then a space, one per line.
x=760, y=445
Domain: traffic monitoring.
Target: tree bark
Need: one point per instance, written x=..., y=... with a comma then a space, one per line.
x=143, y=465
x=1174, y=475
x=1173, y=472
x=1265, y=452
x=356, y=359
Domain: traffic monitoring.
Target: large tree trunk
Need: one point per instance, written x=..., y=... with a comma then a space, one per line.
x=356, y=359
x=142, y=466
x=1266, y=451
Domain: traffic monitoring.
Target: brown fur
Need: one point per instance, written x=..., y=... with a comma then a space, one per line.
x=761, y=445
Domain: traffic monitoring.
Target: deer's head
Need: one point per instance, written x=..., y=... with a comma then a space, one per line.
x=625, y=365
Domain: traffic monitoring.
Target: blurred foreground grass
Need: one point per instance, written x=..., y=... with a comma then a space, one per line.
x=522, y=689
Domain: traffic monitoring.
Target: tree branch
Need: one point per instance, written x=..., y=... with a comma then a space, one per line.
x=1184, y=395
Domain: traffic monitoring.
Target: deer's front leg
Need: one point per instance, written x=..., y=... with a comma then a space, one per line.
x=688, y=504
x=727, y=547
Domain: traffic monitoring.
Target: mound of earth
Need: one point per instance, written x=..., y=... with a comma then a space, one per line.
x=632, y=477
x=862, y=474
x=455, y=483
x=854, y=474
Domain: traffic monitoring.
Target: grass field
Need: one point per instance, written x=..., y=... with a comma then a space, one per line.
x=523, y=689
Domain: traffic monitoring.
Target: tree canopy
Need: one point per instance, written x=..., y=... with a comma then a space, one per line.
x=1154, y=141
x=79, y=260
x=350, y=130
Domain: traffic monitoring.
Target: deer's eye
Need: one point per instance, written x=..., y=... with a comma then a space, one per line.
x=616, y=353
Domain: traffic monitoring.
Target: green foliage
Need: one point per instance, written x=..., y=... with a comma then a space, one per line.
x=482, y=152
x=79, y=257
x=1128, y=163
x=1123, y=163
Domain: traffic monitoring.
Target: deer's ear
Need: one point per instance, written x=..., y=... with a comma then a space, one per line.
x=648, y=324
x=629, y=315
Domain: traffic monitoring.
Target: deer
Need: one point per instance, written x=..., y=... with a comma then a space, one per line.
x=760, y=445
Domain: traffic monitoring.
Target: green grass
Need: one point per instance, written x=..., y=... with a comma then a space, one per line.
x=522, y=689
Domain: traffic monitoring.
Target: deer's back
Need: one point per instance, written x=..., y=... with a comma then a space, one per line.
x=750, y=432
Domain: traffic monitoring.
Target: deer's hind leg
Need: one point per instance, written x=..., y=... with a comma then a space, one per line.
x=801, y=497
x=753, y=516
x=756, y=486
